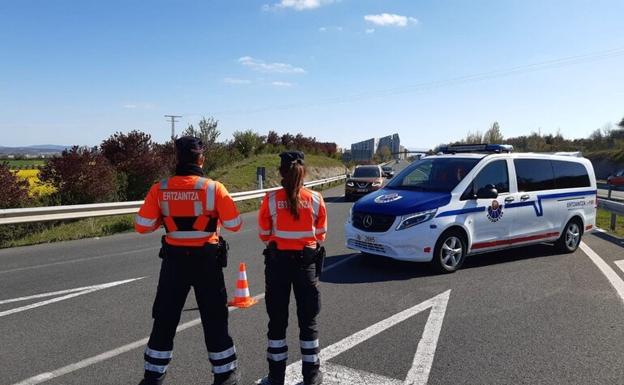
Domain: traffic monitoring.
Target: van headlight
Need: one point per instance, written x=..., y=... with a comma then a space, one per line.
x=350, y=184
x=410, y=220
x=376, y=184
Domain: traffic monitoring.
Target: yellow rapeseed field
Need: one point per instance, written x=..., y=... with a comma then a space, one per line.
x=37, y=188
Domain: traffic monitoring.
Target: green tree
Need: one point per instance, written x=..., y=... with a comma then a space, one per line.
x=473, y=138
x=493, y=134
x=207, y=131
x=246, y=142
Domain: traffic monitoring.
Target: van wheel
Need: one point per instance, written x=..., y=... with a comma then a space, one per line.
x=570, y=239
x=449, y=252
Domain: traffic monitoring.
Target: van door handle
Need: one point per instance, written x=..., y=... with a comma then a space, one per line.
x=509, y=199
x=525, y=197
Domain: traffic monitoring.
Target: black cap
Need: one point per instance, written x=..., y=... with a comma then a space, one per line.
x=290, y=157
x=187, y=147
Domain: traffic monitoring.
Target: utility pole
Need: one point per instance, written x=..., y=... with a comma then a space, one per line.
x=173, y=122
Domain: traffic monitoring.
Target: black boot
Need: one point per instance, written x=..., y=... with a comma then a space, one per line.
x=153, y=380
x=277, y=372
x=312, y=376
x=229, y=378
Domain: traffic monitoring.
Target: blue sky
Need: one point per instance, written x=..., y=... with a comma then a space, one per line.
x=74, y=72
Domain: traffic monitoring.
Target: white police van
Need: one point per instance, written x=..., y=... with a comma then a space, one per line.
x=472, y=199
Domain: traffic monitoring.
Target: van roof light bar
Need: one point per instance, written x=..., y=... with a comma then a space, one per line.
x=467, y=148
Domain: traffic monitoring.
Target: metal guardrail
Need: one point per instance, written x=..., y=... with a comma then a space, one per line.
x=614, y=207
x=53, y=213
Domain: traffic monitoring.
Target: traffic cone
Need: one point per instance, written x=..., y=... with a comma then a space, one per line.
x=242, y=297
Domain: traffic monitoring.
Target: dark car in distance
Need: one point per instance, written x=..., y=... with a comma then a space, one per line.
x=388, y=172
x=365, y=179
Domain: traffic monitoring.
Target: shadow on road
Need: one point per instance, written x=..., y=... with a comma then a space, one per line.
x=371, y=268
x=609, y=238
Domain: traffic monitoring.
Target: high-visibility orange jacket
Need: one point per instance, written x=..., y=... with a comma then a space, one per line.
x=191, y=208
x=277, y=224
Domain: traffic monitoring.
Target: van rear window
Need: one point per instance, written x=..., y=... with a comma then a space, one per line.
x=544, y=174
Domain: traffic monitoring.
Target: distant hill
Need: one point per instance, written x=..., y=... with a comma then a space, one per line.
x=40, y=149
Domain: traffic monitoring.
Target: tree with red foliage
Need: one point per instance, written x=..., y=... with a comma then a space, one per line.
x=136, y=159
x=13, y=190
x=81, y=175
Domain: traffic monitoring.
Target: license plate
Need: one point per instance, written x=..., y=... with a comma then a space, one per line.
x=365, y=238
x=361, y=190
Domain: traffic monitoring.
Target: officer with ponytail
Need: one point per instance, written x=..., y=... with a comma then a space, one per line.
x=292, y=223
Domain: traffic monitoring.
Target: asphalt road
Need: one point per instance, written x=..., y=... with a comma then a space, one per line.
x=526, y=316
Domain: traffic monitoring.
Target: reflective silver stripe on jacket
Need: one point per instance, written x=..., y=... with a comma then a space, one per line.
x=158, y=353
x=210, y=196
x=232, y=222
x=224, y=368
x=309, y=344
x=199, y=184
x=294, y=234
x=273, y=210
x=197, y=208
x=320, y=230
x=189, y=234
x=221, y=355
x=265, y=232
x=277, y=356
x=164, y=184
x=316, y=205
x=277, y=343
x=139, y=220
x=164, y=208
x=156, y=368
x=309, y=357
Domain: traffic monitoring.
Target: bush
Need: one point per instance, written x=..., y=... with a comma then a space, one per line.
x=81, y=175
x=137, y=157
x=14, y=191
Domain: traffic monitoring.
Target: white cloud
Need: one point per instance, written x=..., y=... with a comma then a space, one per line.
x=282, y=84
x=141, y=106
x=326, y=29
x=236, y=81
x=299, y=5
x=370, y=30
x=389, y=19
x=262, y=66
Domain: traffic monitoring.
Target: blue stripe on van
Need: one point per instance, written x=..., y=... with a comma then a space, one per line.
x=537, y=204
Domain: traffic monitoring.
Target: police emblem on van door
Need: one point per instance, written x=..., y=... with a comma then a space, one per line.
x=495, y=211
x=387, y=198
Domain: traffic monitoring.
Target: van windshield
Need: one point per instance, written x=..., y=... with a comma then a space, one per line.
x=433, y=174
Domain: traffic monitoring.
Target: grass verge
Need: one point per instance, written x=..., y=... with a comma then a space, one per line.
x=603, y=221
x=24, y=235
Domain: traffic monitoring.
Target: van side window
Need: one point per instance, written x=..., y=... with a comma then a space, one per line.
x=534, y=174
x=494, y=173
x=570, y=174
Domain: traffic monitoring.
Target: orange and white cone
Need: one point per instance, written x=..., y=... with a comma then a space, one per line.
x=242, y=298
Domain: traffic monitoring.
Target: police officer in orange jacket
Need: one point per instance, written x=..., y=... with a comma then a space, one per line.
x=292, y=222
x=192, y=209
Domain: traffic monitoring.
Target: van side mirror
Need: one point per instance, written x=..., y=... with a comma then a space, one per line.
x=487, y=192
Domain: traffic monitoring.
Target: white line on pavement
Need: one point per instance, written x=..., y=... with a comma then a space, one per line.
x=423, y=359
x=44, y=377
x=620, y=264
x=81, y=291
x=611, y=275
x=78, y=260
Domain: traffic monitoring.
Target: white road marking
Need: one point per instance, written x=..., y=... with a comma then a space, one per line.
x=620, y=264
x=78, y=260
x=44, y=377
x=423, y=359
x=74, y=293
x=611, y=275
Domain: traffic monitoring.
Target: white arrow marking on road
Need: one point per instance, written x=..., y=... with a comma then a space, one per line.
x=70, y=293
x=612, y=276
x=421, y=365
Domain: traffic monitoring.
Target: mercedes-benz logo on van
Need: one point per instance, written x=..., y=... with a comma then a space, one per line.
x=367, y=221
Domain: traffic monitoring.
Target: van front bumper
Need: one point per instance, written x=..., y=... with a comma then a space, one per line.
x=415, y=244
